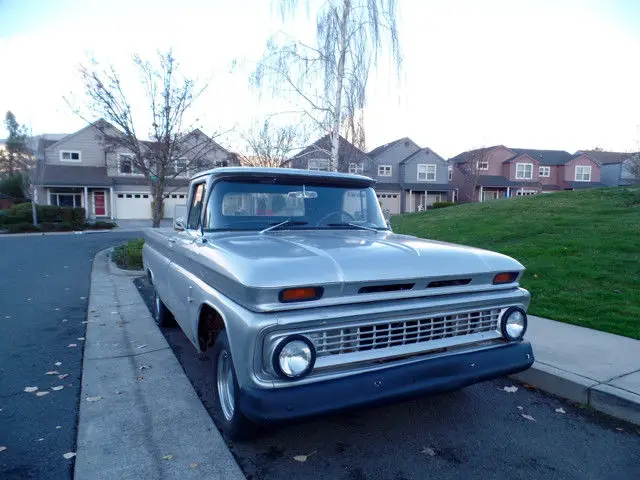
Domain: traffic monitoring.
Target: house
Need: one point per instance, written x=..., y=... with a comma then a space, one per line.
x=80, y=170
x=316, y=157
x=6, y=201
x=616, y=168
x=496, y=172
x=410, y=178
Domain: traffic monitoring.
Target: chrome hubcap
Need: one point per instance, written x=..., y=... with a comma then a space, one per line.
x=225, y=385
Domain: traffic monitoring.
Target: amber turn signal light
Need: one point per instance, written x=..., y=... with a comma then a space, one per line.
x=505, y=277
x=300, y=294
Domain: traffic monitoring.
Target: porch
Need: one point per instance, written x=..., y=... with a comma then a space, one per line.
x=419, y=200
x=97, y=201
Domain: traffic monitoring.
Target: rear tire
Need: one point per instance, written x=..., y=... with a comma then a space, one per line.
x=161, y=314
x=230, y=418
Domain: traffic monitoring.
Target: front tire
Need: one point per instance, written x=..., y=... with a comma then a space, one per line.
x=227, y=393
x=161, y=314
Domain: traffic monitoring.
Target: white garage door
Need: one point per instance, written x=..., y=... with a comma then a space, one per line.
x=170, y=202
x=133, y=206
x=390, y=201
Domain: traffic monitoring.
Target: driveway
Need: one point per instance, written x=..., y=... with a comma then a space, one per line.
x=44, y=287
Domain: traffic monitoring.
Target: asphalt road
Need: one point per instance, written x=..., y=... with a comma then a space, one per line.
x=479, y=432
x=44, y=290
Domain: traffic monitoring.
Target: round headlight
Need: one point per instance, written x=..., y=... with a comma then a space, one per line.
x=294, y=357
x=514, y=323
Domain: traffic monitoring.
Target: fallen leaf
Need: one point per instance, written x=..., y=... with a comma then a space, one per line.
x=41, y=394
x=63, y=376
x=560, y=410
x=71, y=345
x=80, y=338
x=53, y=372
x=40, y=439
x=58, y=427
x=520, y=408
x=140, y=378
x=55, y=389
x=510, y=389
x=57, y=364
x=30, y=389
x=7, y=316
x=144, y=367
x=3, y=448
x=57, y=309
x=94, y=399
x=69, y=455
x=167, y=457
x=83, y=298
x=429, y=451
x=620, y=429
x=194, y=465
x=528, y=417
x=303, y=458
x=64, y=320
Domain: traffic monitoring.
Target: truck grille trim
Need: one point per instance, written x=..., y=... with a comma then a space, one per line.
x=374, y=336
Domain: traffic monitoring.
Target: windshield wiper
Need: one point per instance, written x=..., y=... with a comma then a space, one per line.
x=352, y=225
x=282, y=224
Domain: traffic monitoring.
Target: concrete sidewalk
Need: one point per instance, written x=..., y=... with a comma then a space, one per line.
x=586, y=366
x=139, y=415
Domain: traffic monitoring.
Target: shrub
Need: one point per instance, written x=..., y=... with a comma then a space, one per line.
x=101, y=224
x=21, y=227
x=442, y=204
x=129, y=255
x=55, y=226
x=21, y=213
x=13, y=185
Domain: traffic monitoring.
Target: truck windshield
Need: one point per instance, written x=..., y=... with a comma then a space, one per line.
x=245, y=205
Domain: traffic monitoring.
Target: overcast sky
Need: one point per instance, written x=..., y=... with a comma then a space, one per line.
x=557, y=74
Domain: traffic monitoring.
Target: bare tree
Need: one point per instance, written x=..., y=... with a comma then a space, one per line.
x=471, y=168
x=631, y=168
x=174, y=149
x=331, y=76
x=272, y=146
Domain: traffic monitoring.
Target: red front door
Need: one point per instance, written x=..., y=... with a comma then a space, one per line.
x=99, y=207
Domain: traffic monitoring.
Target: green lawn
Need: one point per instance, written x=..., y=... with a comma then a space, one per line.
x=581, y=250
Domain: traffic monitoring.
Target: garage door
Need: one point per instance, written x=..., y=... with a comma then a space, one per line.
x=133, y=206
x=389, y=201
x=170, y=202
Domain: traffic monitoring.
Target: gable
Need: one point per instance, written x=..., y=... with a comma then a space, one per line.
x=582, y=159
x=524, y=158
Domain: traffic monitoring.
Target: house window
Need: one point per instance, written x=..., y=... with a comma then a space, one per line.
x=66, y=199
x=483, y=165
x=180, y=167
x=356, y=168
x=69, y=156
x=319, y=164
x=525, y=193
x=545, y=171
x=583, y=173
x=384, y=170
x=524, y=171
x=127, y=166
x=450, y=173
x=426, y=173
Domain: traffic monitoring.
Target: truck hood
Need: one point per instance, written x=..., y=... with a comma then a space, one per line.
x=285, y=259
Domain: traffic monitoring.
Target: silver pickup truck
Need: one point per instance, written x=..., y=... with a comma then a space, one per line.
x=309, y=303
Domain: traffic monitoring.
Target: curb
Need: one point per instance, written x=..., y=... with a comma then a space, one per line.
x=139, y=417
x=605, y=398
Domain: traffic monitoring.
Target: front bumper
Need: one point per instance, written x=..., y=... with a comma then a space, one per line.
x=428, y=376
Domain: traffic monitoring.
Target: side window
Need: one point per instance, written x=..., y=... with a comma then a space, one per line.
x=195, y=207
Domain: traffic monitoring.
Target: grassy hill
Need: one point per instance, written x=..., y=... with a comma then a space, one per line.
x=581, y=250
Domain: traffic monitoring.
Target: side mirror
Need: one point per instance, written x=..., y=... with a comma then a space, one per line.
x=179, y=224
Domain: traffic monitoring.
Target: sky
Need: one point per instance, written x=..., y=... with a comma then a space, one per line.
x=548, y=74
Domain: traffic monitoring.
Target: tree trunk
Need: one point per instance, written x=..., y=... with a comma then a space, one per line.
x=337, y=118
x=34, y=209
x=158, y=203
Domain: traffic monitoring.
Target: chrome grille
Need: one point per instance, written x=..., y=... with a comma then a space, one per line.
x=390, y=334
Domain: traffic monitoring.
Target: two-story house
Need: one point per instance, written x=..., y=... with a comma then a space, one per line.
x=316, y=157
x=79, y=170
x=499, y=171
x=615, y=167
x=409, y=178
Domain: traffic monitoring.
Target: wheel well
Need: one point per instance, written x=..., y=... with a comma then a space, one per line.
x=149, y=276
x=210, y=325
